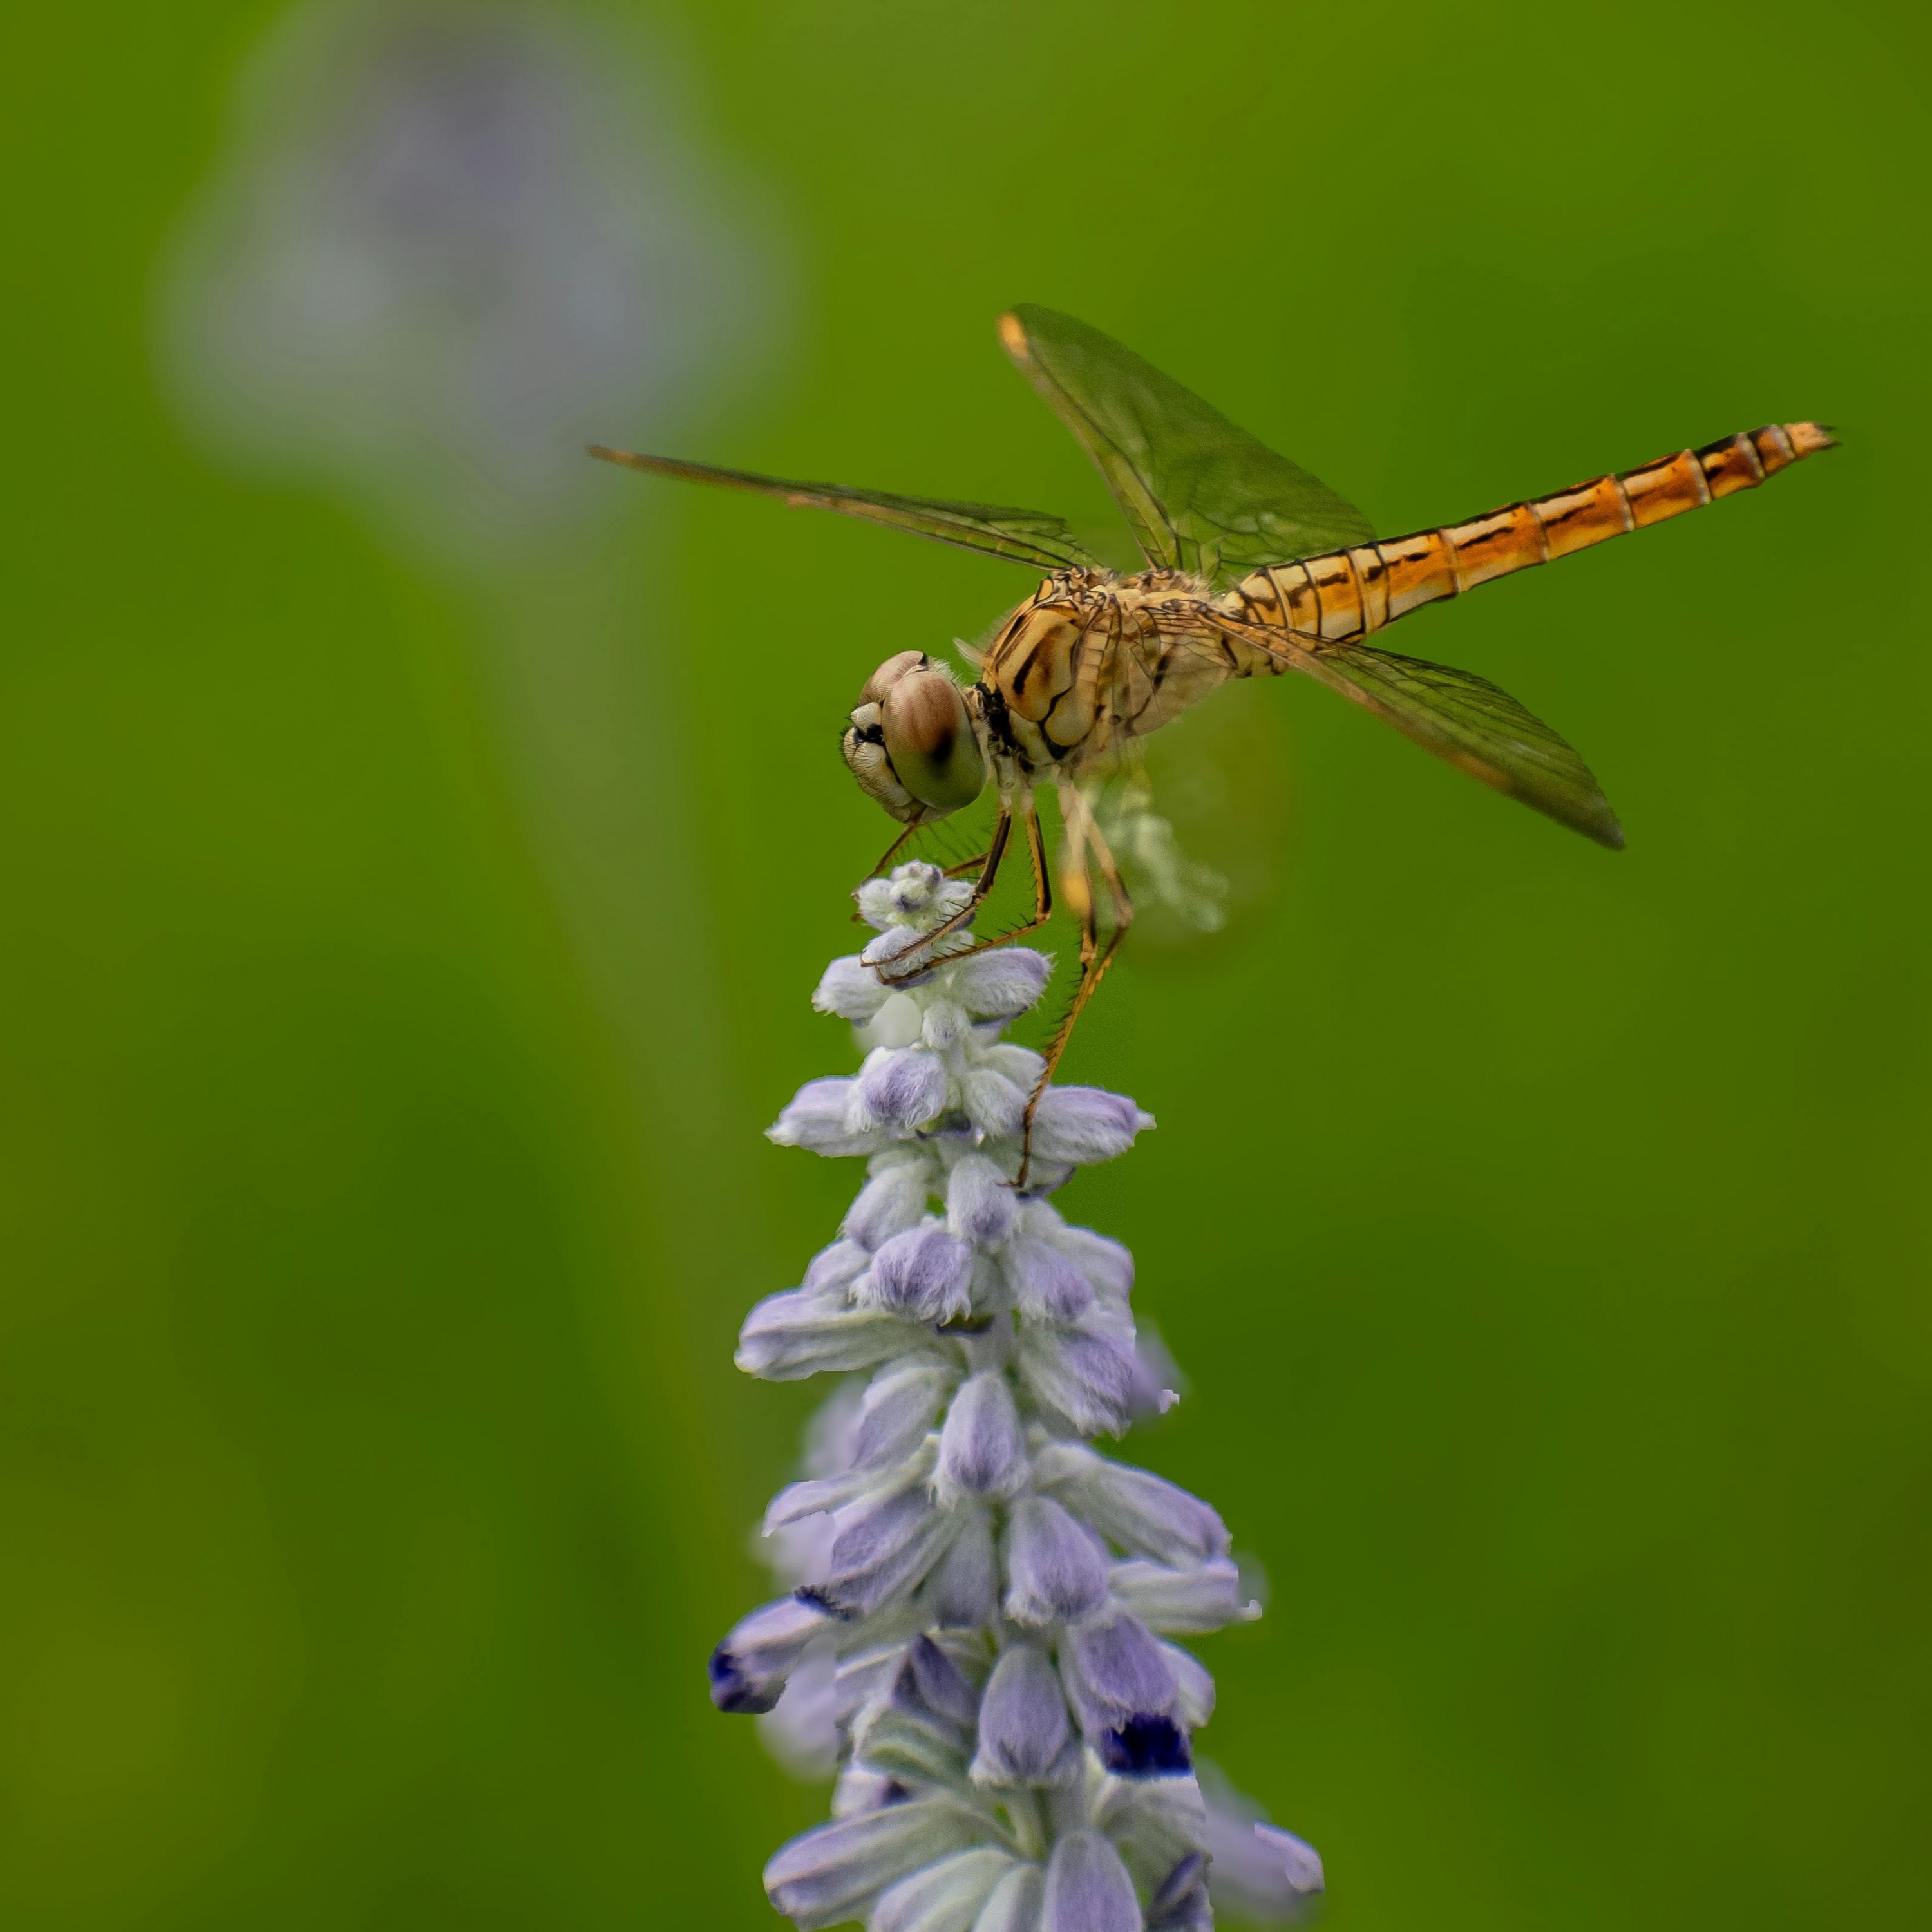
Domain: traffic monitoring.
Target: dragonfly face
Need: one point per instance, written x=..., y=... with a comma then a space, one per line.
x=913, y=743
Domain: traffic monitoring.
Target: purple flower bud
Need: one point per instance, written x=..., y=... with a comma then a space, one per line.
x=981, y=1449
x=1087, y=1378
x=994, y=1105
x=1001, y=984
x=929, y=1674
x=963, y=1592
x=1132, y=1507
x=1085, y=1124
x=925, y=1274
x=898, y=1409
x=905, y=1085
x=1047, y=1286
x=979, y=1204
x=832, y=1873
x=882, y=1550
x=851, y=990
x=1105, y=1263
x=1025, y=1735
x=749, y=1669
x=1126, y=1696
x=1055, y=1572
x=1087, y=1888
x=888, y=1204
x=819, y=1118
x=834, y=1269
x=787, y=1337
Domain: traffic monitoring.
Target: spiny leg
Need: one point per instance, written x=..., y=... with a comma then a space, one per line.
x=1042, y=893
x=1084, y=835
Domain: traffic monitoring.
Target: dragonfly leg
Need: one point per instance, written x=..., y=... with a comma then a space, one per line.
x=1042, y=892
x=1085, y=843
x=964, y=866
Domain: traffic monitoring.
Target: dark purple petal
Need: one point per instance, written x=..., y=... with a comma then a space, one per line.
x=750, y=1668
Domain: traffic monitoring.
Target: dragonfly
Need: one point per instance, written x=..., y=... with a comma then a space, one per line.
x=1254, y=568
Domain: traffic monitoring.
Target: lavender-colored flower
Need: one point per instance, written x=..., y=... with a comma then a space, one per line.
x=1001, y=985
x=902, y=1403
x=816, y=1117
x=980, y=1206
x=1126, y=1696
x=750, y=1668
x=834, y=1269
x=1139, y=1511
x=1055, y=1570
x=1082, y=1125
x=1087, y=1888
x=1047, y=1286
x=834, y=1872
x=925, y=1274
x=883, y=1548
x=1182, y=1603
x=982, y=1448
x=902, y=1086
x=1026, y=1736
x=1085, y=1379
x=978, y=1633
x=788, y=1336
x=850, y=990
x=892, y=1201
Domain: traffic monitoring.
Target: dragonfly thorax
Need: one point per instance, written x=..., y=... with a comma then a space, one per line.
x=914, y=742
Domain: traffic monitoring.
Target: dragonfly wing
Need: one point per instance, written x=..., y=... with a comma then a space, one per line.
x=1027, y=536
x=1475, y=724
x=1459, y=716
x=1201, y=494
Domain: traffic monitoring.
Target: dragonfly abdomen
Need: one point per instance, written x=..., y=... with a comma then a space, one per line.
x=1349, y=593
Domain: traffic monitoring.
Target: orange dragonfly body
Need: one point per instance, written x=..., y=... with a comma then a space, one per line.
x=1255, y=567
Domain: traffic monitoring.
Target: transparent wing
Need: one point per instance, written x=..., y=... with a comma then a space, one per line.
x=1027, y=536
x=1201, y=494
x=1459, y=716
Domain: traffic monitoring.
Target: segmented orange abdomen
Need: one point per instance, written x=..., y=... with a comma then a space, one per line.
x=1350, y=592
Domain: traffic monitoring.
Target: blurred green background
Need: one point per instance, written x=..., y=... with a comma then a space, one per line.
x=411, y=911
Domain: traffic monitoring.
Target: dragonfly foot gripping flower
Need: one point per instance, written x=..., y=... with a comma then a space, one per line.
x=981, y=1634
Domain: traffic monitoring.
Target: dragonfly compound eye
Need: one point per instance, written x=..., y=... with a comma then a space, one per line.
x=930, y=740
x=890, y=672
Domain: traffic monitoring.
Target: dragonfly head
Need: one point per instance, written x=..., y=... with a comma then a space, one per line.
x=912, y=744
